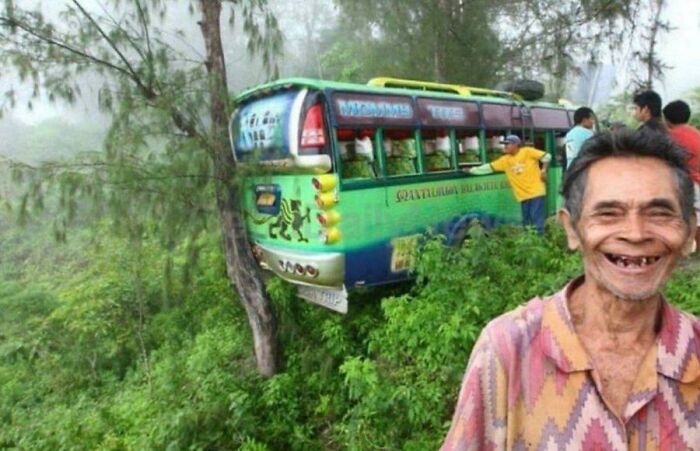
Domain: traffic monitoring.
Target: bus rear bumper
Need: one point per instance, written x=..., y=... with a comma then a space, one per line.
x=325, y=269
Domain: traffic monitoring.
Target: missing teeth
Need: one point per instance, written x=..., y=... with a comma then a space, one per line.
x=625, y=262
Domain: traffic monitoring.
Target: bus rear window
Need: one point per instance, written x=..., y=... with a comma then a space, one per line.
x=260, y=129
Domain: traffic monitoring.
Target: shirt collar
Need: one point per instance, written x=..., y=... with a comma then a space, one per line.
x=677, y=350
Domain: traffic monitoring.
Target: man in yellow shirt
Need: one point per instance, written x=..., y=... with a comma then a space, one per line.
x=522, y=167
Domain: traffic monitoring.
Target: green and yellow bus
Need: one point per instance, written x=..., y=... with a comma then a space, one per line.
x=353, y=175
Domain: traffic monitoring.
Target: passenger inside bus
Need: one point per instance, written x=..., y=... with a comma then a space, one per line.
x=356, y=153
x=437, y=150
x=494, y=148
x=468, y=148
x=400, y=151
x=560, y=149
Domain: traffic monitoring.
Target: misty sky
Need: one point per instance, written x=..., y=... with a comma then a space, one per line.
x=679, y=49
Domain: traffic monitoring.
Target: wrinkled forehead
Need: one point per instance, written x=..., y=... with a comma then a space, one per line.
x=632, y=181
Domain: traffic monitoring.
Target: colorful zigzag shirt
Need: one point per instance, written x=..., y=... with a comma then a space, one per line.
x=528, y=386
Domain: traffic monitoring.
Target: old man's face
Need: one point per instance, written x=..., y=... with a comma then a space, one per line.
x=631, y=231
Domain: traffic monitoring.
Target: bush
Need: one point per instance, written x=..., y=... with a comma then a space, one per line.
x=139, y=348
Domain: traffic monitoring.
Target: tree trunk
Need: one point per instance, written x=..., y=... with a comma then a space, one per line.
x=241, y=266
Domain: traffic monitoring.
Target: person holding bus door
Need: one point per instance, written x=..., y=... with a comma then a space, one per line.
x=521, y=165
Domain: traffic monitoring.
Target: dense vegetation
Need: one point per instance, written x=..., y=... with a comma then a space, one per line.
x=114, y=344
x=125, y=334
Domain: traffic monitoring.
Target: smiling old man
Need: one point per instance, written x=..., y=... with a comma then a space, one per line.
x=607, y=363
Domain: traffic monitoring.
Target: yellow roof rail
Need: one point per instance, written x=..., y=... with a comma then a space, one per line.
x=389, y=82
x=565, y=103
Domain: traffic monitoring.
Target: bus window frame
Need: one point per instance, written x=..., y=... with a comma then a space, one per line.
x=566, y=113
x=512, y=125
x=525, y=128
x=550, y=132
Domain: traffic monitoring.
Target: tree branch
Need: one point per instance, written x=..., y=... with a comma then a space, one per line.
x=144, y=25
x=147, y=91
x=10, y=22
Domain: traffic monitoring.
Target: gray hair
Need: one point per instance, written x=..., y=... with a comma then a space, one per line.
x=625, y=143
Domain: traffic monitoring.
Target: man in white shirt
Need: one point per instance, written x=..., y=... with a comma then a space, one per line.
x=584, y=120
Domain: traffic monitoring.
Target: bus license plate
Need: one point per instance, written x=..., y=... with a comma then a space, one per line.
x=327, y=297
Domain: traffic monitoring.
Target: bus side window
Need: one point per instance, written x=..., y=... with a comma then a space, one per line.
x=468, y=147
x=436, y=150
x=494, y=148
x=356, y=153
x=400, y=151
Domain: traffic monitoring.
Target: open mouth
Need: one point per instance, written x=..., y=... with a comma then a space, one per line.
x=630, y=262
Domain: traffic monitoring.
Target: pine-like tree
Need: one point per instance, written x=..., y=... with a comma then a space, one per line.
x=166, y=167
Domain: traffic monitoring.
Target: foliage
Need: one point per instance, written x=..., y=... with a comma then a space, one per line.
x=109, y=345
x=694, y=101
x=617, y=110
x=166, y=164
x=650, y=66
x=425, y=40
x=475, y=42
x=125, y=335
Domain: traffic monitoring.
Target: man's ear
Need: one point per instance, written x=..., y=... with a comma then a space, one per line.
x=572, y=238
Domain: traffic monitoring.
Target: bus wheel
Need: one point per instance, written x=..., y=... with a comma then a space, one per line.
x=474, y=229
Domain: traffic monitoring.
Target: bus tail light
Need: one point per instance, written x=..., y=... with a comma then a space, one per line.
x=326, y=200
x=325, y=182
x=313, y=133
x=331, y=235
x=328, y=218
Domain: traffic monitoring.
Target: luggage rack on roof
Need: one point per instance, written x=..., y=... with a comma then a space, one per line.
x=388, y=82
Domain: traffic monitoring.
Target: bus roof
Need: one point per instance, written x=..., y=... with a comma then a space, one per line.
x=413, y=88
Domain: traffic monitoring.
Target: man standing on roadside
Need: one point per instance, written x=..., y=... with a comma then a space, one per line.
x=607, y=363
x=583, y=125
x=677, y=115
x=647, y=110
x=522, y=167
